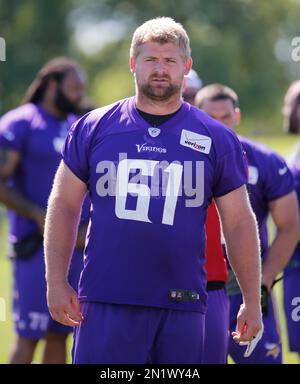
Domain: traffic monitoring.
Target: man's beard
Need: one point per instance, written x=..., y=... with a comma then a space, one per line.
x=165, y=94
x=64, y=104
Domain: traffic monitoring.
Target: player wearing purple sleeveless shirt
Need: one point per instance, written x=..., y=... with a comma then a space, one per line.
x=143, y=287
x=291, y=281
x=271, y=190
x=31, y=138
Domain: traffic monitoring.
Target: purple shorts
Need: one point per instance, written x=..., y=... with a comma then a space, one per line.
x=268, y=349
x=127, y=334
x=291, y=296
x=216, y=328
x=30, y=312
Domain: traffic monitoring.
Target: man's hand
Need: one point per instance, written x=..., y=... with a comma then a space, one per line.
x=249, y=327
x=63, y=304
x=63, y=214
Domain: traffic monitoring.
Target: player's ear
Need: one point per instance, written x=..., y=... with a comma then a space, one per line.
x=188, y=65
x=237, y=115
x=132, y=64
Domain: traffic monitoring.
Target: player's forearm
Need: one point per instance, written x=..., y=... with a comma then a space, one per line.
x=279, y=253
x=13, y=200
x=59, y=240
x=244, y=256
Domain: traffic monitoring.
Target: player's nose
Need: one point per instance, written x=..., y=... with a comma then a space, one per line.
x=160, y=68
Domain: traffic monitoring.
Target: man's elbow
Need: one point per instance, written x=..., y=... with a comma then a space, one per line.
x=59, y=203
x=292, y=229
x=246, y=222
x=295, y=231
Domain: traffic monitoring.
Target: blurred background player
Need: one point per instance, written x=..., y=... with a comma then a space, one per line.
x=217, y=314
x=192, y=84
x=291, y=281
x=271, y=190
x=31, y=137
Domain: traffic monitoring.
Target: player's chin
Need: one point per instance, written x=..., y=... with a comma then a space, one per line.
x=164, y=93
x=160, y=90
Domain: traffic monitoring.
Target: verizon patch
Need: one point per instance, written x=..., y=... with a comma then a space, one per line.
x=195, y=141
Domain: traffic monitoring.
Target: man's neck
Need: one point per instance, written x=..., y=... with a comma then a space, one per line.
x=53, y=111
x=158, y=107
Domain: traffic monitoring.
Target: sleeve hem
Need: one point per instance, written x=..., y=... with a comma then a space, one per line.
x=9, y=146
x=232, y=188
x=75, y=171
x=275, y=197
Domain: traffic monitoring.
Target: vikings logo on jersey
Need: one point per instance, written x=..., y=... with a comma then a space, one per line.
x=273, y=350
x=153, y=131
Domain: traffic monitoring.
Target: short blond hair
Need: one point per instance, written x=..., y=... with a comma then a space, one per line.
x=161, y=30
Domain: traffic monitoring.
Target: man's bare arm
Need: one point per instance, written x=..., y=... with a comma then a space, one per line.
x=60, y=235
x=285, y=214
x=241, y=235
x=9, y=161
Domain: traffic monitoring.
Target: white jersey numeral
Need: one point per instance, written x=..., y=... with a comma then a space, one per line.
x=143, y=192
x=38, y=321
x=174, y=182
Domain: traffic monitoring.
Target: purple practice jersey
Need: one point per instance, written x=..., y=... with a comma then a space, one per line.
x=150, y=188
x=295, y=259
x=38, y=137
x=269, y=178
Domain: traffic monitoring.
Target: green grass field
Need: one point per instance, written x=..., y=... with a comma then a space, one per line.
x=282, y=144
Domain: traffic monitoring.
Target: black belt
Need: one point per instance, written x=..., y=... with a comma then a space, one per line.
x=214, y=285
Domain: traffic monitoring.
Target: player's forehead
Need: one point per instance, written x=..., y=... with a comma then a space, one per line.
x=220, y=107
x=74, y=77
x=155, y=49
